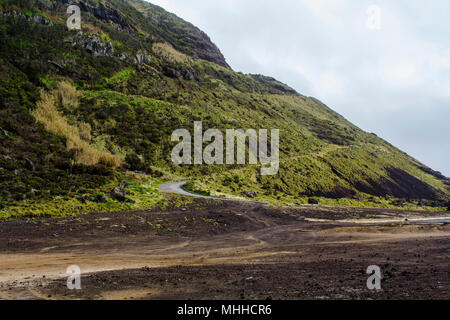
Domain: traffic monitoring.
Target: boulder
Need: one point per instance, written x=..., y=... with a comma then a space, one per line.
x=93, y=44
x=42, y=20
x=101, y=198
x=85, y=198
x=250, y=194
x=170, y=72
x=119, y=194
x=313, y=201
x=19, y=173
x=187, y=74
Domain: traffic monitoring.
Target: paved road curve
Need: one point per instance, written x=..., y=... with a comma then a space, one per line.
x=176, y=187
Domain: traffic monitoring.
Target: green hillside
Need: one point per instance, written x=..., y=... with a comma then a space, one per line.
x=81, y=112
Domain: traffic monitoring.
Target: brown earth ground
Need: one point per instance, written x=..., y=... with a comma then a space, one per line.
x=228, y=250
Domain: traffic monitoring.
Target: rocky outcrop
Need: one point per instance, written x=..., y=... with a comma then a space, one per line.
x=119, y=194
x=107, y=14
x=19, y=16
x=93, y=44
x=273, y=83
x=141, y=57
x=42, y=20
x=181, y=34
x=250, y=194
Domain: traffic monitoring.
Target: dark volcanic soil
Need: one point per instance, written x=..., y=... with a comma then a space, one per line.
x=227, y=250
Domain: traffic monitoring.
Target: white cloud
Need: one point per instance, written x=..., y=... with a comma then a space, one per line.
x=399, y=72
x=326, y=10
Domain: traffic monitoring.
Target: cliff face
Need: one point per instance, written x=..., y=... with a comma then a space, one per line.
x=133, y=75
x=182, y=35
x=135, y=16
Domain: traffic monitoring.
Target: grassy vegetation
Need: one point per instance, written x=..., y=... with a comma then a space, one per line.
x=141, y=190
x=86, y=121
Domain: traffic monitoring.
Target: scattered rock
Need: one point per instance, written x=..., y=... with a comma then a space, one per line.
x=118, y=194
x=19, y=173
x=187, y=74
x=313, y=201
x=374, y=154
x=83, y=199
x=250, y=194
x=141, y=57
x=42, y=20
x=30, y=165
x=101, y=198
x=93, y=44
x=60, y=67
x=170, y=72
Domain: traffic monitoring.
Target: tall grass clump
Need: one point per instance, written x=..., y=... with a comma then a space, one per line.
x=85, y=131
x=67, y=95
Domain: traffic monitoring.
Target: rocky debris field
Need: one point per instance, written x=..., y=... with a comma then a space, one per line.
x=227, y=250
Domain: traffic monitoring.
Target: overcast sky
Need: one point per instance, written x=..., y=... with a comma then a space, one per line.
x=391, y=78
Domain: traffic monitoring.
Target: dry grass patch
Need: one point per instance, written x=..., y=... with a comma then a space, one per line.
x=85, y=131
x=67, y=94
x=167, y=52
x=77, y=137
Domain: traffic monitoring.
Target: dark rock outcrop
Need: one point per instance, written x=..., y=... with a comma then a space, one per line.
x=93, y=44
x=101, y=198
x=119, y=194
x=250, y=194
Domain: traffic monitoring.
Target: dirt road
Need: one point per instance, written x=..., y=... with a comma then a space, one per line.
x=217, y=249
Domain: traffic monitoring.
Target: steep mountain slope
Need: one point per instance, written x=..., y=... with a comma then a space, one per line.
x=114, y=93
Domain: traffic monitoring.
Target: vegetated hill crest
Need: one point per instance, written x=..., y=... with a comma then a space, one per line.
x=135, y=73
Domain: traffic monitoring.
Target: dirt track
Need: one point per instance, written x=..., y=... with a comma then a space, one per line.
x=228, y=250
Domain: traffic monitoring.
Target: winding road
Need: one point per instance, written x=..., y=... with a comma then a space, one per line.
x=176, y=187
